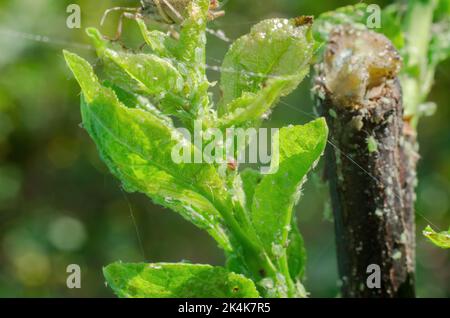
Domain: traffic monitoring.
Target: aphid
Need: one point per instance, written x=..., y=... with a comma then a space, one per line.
x=171, y=12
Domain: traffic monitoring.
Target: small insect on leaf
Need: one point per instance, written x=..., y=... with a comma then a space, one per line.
x=372, y=144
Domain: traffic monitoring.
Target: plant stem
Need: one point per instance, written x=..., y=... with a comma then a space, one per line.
x=365, y=163
x=419, y=20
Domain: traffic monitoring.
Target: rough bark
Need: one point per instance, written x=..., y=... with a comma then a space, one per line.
x=370, y=164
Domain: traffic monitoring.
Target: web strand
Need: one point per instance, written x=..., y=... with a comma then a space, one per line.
x=133, y=220
x=43, y=39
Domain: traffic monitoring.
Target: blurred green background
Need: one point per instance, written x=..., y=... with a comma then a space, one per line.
x=59, y=205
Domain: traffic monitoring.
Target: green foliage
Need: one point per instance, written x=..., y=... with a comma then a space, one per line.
x=358, y=16
x=275, y=53
x=261, y=67
x=278, y=192
x=326, y=22
x=162, y=280
x=136, y=145
x=130, y=113
x=441, y=239
x=427, y=30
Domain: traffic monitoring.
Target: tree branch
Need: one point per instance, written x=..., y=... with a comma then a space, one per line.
x=370, y=162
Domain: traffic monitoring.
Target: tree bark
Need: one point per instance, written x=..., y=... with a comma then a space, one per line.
x=370, y=164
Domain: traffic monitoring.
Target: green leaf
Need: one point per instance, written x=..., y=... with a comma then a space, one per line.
x=426, y=46
x=127, y=116
x=442, y=10
x=163, y=280
x=190, y=48
x=296, y=252
x=249, y=109
x=153, y=74
x=133, y=100
x=441, y=239
x=276, y=195
x=439, y=49
x=144, y=74
x=391, y=25
x=274, y=51
x=358, y=15
x=250, y=179
x=192, y=43
x=326, y=22
x=191, y=56
x=161, y=43
x=137, y=145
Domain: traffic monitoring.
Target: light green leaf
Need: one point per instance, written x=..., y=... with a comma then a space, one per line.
x=276, y=49
x=439, y=49
x=188, y=55
x=326, y=22
x=163, y=280
x=161, y=43
x=144, y=74
x=250, y=179
x=391, y=25
x=276, y=195
x=426, y=46
x=191, y=55
x=441, y=239
x=133, y=100
x=192, y=42
x=296, y=252
x=190, y=48
x=136, y=145
x=249, y=109
x=153, y=74
x=358, y=15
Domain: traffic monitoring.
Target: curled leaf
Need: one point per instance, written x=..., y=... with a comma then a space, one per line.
x=275, y=51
